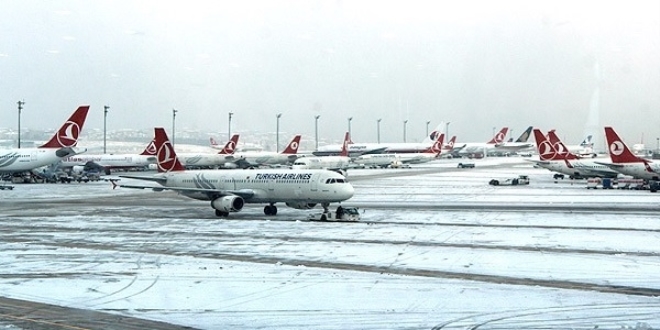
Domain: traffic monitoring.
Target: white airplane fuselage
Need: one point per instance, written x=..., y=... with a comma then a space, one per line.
x=327, y=162
x=266, y=186
x=637, y=170
x=25, y=159
x=110, y=160
x=384, y=160
x=258, y=158
x=582, y=167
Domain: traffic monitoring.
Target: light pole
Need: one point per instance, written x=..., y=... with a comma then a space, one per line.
x=405, y=122
x=427, y=128
x=658, y=145
x=277, y=134
x=316, y=130
x=174, y=111
x=447, y=130
x=105, y=115
x=349, y=127
x=20, y=107
x=229, y=128
x=378, y=129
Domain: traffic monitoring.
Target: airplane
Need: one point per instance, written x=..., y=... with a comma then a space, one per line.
x=335, y=163
x=108, y=162
x=61, y=145
x=517, y=145
x=253, y=159
x=627, y=163
x=584, y=149
x=484, y=148
x=356, y=149
x=229, y=190
x=554, y=156
x=396, y=160
x=214, y=144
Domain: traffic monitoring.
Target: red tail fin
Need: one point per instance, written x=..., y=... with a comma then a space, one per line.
x=499, y=137
x=436, y=148
x=167, y=161
x=619, y=151
x=230, y=147
x=560, y=148
x=544, y=147
x=344, y=146
x=150, y=150
x=67, y=135
x=450, y=145
x=292, y=148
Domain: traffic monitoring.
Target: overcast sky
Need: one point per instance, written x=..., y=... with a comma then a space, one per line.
x=477, y=64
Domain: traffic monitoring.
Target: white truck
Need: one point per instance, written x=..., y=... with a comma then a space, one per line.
x=341, y=214
x=520, y=180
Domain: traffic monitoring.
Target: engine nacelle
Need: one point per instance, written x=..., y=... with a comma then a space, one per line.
x=230, y=165
x=77, y=169
x=301, y=205
x=228, y=203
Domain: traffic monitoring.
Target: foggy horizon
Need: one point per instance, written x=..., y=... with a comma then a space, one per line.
x=476, y=64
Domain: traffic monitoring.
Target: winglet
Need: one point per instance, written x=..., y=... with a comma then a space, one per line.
x=67, y=135
x=165, y=154
x=230, y=147
x=292, y=147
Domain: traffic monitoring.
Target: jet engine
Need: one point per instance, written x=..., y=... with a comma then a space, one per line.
x=301, y=205
x=228, y=203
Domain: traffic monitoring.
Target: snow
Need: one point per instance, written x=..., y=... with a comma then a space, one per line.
x=425, y=254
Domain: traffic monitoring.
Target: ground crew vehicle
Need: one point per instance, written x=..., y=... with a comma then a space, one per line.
x=520, y=180
x=341, y=214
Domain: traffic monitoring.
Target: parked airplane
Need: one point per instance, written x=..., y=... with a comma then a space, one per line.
x=252, y=159
x=109, y=162
x=517, y=145
x=229, y=190
x=584, y=149
x=627, y=163
x=484, y=148
x=59, y=146
x=394, y=160
x=554, y=156
x=335, y=163
x=357, y=149
x=245, y=147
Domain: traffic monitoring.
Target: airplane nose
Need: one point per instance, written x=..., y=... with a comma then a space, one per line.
x=348, y=191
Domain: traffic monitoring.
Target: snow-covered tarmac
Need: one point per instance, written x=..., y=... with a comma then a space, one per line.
x=437, y=247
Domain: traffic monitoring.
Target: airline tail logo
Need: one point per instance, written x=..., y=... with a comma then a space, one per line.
x=499, y=138
x=292, y=148
x=150, y=150
x=546, y=151
x=166, y=157
x=617, y=148
x=230, y=147
x=436, y=148
x=434, y=135
x=67, y=135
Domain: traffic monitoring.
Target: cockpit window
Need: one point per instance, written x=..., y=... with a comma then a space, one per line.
x=333, y=180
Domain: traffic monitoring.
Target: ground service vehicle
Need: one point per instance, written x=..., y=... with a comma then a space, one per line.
x=465, y=165
x=341, y=214
x=520, y=180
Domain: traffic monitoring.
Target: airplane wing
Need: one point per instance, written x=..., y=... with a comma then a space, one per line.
x=610, y=165
x=145, y=178
x=373, y=151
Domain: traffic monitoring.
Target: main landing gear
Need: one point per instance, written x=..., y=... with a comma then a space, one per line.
x=270, y=209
